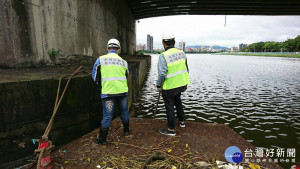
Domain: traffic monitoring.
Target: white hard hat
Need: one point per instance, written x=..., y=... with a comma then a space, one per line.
x=167, y=37
x=113, y=43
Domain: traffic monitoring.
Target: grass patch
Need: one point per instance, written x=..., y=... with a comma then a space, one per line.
x=263, y=54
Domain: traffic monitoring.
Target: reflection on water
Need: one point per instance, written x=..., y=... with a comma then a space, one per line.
x=258, y=97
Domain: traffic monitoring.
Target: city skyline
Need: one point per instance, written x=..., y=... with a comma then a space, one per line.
x=212, y=30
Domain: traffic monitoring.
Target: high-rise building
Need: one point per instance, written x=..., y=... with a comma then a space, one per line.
x=182, y=46
x=241, y=46
x=149, y=42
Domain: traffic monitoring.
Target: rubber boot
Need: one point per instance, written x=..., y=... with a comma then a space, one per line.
x=103, y=132
x=126, y=128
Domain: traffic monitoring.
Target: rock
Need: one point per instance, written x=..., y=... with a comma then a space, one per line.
x=215, y=124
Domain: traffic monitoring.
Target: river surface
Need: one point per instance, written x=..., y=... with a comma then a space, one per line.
x=258, y=97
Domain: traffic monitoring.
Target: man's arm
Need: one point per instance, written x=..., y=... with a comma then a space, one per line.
x=162, y=70
x=96, y=72
x=186, y=64
x=127, y=73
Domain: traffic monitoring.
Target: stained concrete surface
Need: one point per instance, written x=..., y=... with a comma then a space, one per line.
x=31, y=29
x=27, y=99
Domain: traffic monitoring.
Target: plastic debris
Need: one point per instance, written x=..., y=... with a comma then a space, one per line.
x=230, y=166
x=220, y=162
x=33, y=141
x=169, y=150
x=202, y=164
x=22, y=145
x=254, y=166
x=98, y=166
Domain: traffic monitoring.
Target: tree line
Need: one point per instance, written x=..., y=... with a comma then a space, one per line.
x=290, y=45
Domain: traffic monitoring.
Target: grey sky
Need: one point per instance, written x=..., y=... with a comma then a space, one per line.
x=210, y=30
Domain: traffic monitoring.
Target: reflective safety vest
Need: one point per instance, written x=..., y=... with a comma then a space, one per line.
x=113, y=78
x=177, y=74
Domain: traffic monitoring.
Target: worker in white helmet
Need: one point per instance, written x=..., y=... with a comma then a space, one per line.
x=173, y=78
x=111, y=72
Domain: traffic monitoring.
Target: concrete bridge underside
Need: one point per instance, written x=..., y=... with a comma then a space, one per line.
x=153, y=8
x=39, y=32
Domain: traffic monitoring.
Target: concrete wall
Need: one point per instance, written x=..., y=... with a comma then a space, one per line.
x=30, y=29
x=26, y=103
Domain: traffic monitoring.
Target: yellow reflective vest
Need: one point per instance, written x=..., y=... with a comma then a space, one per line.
x=177, y=74
x=113, y=70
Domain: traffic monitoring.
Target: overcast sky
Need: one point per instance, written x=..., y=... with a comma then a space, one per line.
x=210, y=30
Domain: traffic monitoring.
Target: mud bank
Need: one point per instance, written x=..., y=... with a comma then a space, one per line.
x=196, y=142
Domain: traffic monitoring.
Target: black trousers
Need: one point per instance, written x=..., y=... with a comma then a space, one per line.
x=172, y=98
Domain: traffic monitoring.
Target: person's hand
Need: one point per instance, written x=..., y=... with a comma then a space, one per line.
x=159, y=89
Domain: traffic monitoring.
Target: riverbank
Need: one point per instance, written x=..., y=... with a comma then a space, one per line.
x=263, y=54
x=196, y=144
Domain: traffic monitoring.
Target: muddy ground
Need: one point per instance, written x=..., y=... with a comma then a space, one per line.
x=196, y=142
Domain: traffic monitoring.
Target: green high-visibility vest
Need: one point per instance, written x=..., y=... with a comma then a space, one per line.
x=113, y=78
x=177, y=74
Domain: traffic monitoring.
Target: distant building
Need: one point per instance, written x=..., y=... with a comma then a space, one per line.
x=234, y=49
x=149, y=42
x=203, y=48
x=211, y=48
x=182, y=46
x=141, y=47
x=190, y=49
x=159, y=49
x=241, y=46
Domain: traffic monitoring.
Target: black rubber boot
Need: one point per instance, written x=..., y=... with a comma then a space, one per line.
x=103, y=132
x=126, y=128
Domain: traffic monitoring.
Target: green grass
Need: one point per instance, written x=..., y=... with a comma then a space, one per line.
x=262, y=54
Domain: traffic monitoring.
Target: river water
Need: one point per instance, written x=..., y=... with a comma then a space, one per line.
x=258, y=97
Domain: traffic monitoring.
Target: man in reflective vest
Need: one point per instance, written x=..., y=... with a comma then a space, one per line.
x=111, y=71
x=173, y=78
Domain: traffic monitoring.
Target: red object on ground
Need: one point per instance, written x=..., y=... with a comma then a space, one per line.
x=46, y=159
x=298, y=166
